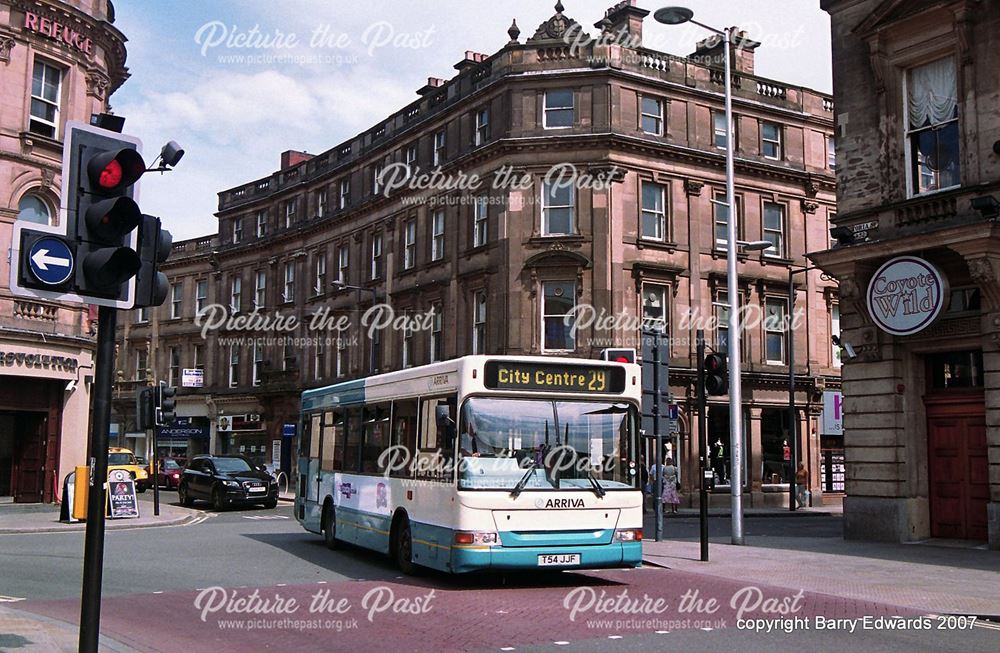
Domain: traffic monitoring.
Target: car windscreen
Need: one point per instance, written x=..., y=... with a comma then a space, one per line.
x=231, y=465
x=170, y=465
x=121, y=459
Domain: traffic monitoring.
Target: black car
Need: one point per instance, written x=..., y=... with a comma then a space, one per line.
x=227, y=481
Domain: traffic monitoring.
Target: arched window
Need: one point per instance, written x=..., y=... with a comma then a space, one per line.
x=33, y=209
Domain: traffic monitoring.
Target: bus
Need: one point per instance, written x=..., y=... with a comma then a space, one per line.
x=478, y=463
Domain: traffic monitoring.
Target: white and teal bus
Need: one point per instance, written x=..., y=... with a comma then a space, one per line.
x=478, y=463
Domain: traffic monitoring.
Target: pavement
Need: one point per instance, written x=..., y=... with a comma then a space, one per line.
x=44, y=517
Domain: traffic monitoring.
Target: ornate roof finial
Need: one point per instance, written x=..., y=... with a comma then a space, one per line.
x=514, y=31
x=559, y=7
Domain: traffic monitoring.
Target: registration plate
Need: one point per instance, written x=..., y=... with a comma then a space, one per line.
x=558, y=560
x=258, y=489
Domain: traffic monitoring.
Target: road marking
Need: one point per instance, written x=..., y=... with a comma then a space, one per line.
x=561, y=643
x=282, y=584
x=262, y=517
x=507, y=648
x=321, y=582
x=708, y=629
x=10, y=599
x=614, y=636
x=159, y=592
x=663, y=632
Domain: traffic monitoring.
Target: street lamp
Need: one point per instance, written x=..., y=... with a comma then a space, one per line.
x=677, y=16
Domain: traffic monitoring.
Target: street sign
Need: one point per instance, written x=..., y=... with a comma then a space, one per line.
x=673, y=412
x=51, y=260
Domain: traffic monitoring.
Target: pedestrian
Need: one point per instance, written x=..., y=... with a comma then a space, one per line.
x=669, y=489
x=801, y=486
x=644, y=481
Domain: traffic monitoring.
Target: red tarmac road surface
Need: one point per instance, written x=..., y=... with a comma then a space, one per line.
x=460, y=615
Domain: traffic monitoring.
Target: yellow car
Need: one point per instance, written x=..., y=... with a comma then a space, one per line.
x=124, y=459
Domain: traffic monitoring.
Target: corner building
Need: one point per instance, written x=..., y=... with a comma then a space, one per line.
x=498, y=268
x=917, y=86
x=59, y=61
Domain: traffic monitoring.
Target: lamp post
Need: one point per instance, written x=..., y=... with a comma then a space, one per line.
x=340, y=285
x=677, y=16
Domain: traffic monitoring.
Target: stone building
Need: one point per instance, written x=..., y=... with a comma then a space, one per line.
x=918, y=157
x=496, y=268
x=59, y=61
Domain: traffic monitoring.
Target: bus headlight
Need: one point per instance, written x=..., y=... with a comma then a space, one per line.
x=628, y=535
x=473, y=538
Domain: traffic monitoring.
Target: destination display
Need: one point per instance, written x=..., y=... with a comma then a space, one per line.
x=552, y=377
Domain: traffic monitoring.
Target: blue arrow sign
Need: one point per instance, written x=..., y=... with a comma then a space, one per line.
x=51, y=260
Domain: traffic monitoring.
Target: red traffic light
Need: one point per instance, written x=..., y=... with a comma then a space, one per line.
x=114, y=170
x=622, y=359
x=715, y=363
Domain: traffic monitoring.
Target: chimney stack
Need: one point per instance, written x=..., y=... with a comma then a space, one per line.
x=290, y=158
x=709, y=51
x=624, y=18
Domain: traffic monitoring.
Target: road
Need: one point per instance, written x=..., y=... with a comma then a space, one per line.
x=158, y=582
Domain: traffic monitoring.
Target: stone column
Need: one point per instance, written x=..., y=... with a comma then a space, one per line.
x=756, y=459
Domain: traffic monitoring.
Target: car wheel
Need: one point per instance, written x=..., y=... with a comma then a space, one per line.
x=404, y=547
x=140, y=487
x=217, y=501
x=329, y=528
x=271, y=503
x=182, y=495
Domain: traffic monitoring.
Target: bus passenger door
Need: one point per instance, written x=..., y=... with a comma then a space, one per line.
x=312, y=471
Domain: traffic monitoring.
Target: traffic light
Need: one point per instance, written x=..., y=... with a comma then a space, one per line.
x=618, y=355
x=716, y=375
x=165, y=404
x=145, y=408
x=154, y=248
x=102, y=216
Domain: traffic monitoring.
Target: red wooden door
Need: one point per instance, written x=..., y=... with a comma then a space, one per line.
x=957, y=466
x=29, y=457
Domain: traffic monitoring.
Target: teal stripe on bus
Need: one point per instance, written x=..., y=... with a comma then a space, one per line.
x=342, y=394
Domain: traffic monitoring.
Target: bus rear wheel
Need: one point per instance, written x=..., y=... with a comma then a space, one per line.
x=329, y=527
x=404, y=547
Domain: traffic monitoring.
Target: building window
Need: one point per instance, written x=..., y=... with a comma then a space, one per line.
x=411, y=159
x=141, y=364
x=774, y=229
x=197, y=358
x=176, y=300
x=932, y=126
x=46, y=81
x=143, y=314
x=720, y=130
x=237, y=230
x=31, y=208
x=956, y=369
x=376, y=268
x=480, y=220
x=319, y=286
x=377, y=178
x=831, y=153
x=482, y=127
x=965, y=300
x=774, y=330
x=720, y=211
x=409, y=244
x=721, y=306
x=341, y=355
x=437, y=235
x=200, y=296
x=770, y=140
x=654, y=216
x=257, y=371
x=558, y=302
x=288, y=359
x=260, y=289
x=343, y=259
x=558, y=111
x=835, y=334
x=261, y=224
x=236, y=295
x=652, y=116
x=289, y=293
x=174, y=368
x=320, y=202
x=437, y=342
x=376, y=350
x=479, y=322
x=655, y=315
x=407, y=353
x=345, y=193
x=319, y=359
x=234, y=366
x=439, y=144
x=557, y=209
x=290, y=207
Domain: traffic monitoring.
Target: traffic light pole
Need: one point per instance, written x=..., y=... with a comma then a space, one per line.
x=93, y=552
x=703, y=446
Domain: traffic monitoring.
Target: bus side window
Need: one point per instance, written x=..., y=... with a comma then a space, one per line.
x=312, y=438
x=404, y=434
x=331, y=422
x=352, y=449
x=376, y=436
x=434, y=449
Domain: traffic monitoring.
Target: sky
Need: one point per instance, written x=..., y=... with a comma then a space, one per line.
x=321, y=71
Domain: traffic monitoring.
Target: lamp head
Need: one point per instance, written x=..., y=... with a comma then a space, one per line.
x=673, y=15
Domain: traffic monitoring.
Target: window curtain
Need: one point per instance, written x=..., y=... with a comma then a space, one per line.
x=933, y=93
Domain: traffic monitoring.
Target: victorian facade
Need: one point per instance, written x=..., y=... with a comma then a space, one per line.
x=495, y=268
x=919, y=174
x=59, y=61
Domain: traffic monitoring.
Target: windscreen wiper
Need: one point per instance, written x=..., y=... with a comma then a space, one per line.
x=598, y=488
x=524, y=480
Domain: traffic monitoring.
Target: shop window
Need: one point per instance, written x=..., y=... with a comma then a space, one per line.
x=775, y=448
x=720, y=455
x=955, y=370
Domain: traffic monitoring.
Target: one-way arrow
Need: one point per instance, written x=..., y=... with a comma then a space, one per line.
x=42, y=259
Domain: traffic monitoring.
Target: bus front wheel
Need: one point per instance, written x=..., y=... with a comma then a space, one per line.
x=329, y=527
x=404, y=547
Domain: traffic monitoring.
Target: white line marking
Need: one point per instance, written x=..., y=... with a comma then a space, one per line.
x=561, y=643
x=507, y=648
x=708, y=629
x=160, y=592
x=663, y=632
x=614, y=636
x=321, y=582
x=10, y=599
x=282, y=584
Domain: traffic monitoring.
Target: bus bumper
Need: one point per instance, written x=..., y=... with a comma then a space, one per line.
x=619, y=554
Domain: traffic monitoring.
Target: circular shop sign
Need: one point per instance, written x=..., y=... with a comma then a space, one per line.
x=905, y=295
